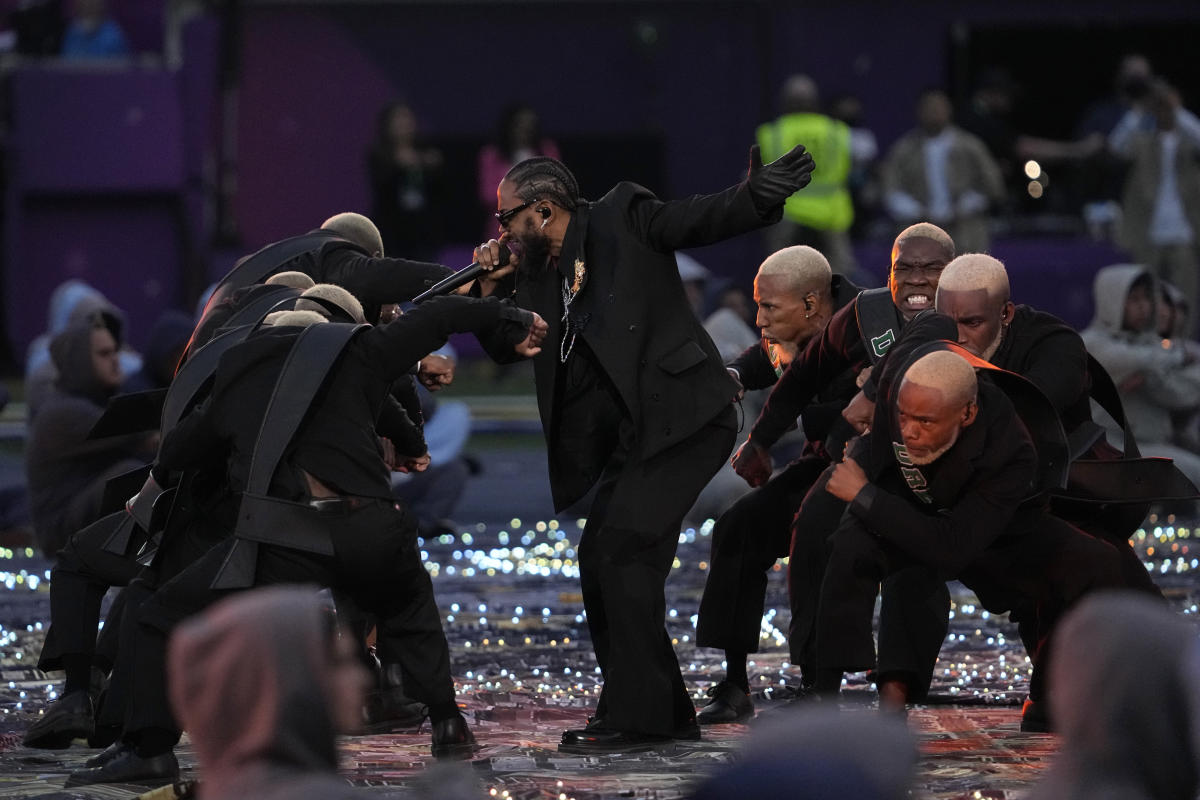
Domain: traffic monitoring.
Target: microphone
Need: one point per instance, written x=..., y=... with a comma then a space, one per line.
x=463, y=276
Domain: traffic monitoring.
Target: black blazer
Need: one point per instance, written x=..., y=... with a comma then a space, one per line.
x=636, y=320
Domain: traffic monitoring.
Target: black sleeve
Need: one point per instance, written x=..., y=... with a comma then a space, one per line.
x=837, y=349
x=754, y=368
x=395, y=347
x=693, y=221
x=378, y=281
x=402, y=425
x=953, y=538
x=193, y=441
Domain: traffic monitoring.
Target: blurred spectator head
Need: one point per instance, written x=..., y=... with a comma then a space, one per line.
x=819, y=754
x=262, y=683
x=86, y=355
x=934, y=111
x=1133, y=78
x=396, y=124
x=1172, y=312
x=1139, y=305
x=848, y=108
x=799, y=95
x=995, y=90
x=168, y=338
x=695, y=279
x=519, y=129
x=1125, y=700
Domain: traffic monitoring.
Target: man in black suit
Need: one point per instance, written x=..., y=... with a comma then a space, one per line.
x=634, y=401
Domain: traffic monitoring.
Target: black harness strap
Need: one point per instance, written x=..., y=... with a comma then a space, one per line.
x=878, y=321
x=267, y=519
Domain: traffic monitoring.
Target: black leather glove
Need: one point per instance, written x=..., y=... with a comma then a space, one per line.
x=771, y=184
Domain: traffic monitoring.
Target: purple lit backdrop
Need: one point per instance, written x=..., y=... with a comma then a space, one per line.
x=117, y=195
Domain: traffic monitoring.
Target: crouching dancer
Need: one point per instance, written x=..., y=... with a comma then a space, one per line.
x=294, y=411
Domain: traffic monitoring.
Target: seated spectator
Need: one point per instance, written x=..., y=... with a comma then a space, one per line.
x=1126, y=702
x=168, y=338
x=93, y=33
x=1174, y=325
x=71, y=301
x=1155, y=378
x=941, y=173
x=67, y=471
x=1161, y=200
x=819, y=754
x=263, y=684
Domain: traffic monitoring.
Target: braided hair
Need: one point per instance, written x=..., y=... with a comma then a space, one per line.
x=545, y=178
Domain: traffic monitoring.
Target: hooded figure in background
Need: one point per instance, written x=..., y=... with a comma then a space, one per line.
x=164, y=348
x=72, y=302
x=1156, y=377
x=66, y=470
x=820, y=754
x=263, y=685
x=1126, y=701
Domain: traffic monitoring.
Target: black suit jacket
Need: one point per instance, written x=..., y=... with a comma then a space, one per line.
x=635, y=319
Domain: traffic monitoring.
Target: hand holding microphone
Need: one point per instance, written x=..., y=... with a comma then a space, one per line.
x=488, y=257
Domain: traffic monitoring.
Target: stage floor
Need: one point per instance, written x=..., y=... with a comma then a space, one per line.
x=524, y=670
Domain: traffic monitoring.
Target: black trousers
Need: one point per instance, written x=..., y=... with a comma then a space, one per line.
x=913, y=614
x=747, y=540
x=818, y=517
x=82, y=575
x=1043, y=561
x=623, y=573
x=376, y=562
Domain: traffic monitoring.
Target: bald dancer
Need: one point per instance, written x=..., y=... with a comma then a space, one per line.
x=797, y=294
x=942, y=482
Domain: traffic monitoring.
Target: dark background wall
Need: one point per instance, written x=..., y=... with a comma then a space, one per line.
x=666, y=93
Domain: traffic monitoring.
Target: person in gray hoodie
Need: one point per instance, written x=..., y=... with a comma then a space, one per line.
x=66, y=470
x=1126, y=702
x=1154, y=376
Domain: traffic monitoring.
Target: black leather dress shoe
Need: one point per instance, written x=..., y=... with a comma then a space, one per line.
x=68, y=718
x=453, y=739
x=688, y=731
x=128, y=767
x=730, y=703
x=107, y=754
x=594, y=739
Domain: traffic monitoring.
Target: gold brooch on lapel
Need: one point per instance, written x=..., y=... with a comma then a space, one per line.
x=580, y=276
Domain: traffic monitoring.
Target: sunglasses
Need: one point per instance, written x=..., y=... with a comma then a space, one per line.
x=505, y=217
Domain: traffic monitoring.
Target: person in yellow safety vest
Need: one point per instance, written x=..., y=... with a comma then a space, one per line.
x=822, y=219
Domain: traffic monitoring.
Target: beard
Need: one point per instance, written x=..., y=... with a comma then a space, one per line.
x=929, y=458
x=991, y=349
x=532, y=250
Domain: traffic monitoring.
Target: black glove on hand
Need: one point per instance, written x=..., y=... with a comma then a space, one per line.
x=771, y=184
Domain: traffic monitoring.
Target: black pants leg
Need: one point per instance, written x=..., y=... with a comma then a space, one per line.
x=84, y=572
x=858, y=562
x=746, y=542
x=623, y=572
x=914, y=615
x=819, y=516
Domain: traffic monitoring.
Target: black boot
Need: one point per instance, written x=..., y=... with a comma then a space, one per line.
x=389, y=709
x=452, y=738
x=730, y=703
